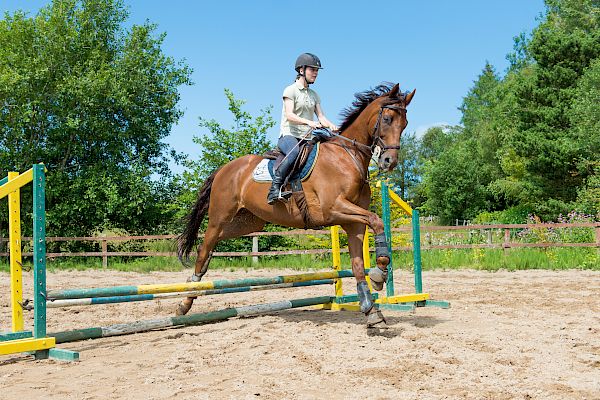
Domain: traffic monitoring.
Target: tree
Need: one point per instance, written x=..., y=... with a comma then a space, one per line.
x=248, y=135
x=434, y=141
x=406, y=175
x=585, y=120
x=584, y=117
x=453, y=185
x=92, y=101
x=561, y=49
x=221, y=145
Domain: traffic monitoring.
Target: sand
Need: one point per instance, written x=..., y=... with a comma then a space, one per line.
x=508, y=335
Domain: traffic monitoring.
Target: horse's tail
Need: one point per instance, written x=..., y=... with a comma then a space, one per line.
x=189, y=236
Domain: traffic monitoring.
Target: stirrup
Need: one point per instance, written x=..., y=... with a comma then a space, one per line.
x=281, y=196
x=284, y=196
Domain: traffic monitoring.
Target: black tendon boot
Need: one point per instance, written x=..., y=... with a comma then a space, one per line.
x=364, y=297
x=367, y=306
x=379, y=274
x=279, y=175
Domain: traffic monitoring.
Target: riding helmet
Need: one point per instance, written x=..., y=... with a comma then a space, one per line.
x=307, y=60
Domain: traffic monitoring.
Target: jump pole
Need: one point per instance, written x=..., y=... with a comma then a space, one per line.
x=144, y=297
x=185, y=320
x=192, y=286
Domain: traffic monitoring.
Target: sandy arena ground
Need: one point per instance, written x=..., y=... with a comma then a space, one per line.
x=509, y=335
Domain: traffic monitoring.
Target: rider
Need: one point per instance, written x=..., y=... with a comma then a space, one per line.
x=300, y=104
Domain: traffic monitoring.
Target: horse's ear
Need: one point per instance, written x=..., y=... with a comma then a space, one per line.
x=409, y=97
x=394, y=92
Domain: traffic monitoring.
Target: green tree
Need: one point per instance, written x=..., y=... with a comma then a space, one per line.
x=461, y=162
x=561, y=49
x=585, y=119
x=453, y=185
x=248, y=135
x=434, y=141
x=406, y=175
x=93, y=101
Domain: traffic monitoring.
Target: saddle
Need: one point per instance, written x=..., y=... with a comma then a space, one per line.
x=305, y=155
x=301, y=170
x=305, y=147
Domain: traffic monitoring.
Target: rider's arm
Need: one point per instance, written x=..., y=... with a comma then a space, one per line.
x=323, y=119
x=288, y=105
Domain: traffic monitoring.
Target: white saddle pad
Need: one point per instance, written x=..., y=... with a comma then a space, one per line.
x=261, y=172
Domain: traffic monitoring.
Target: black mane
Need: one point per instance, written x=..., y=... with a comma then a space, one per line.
x=363, y=99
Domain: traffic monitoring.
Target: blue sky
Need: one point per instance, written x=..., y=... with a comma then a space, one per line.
x=437, y=47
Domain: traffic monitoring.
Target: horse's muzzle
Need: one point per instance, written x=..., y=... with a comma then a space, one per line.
x=388, y=161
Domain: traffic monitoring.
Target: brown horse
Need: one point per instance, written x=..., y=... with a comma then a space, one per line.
x=337, y=192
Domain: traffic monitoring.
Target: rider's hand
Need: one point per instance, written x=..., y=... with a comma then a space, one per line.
x=333, y=128
x=314, y=124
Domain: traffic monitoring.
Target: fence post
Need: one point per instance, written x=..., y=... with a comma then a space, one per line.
x=598, y=237
x=428, y=238
x=104, y=255
x=506, y=243
x=489, y=236
x=254, y=249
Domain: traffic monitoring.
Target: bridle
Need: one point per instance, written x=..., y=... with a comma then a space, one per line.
x=377, y=140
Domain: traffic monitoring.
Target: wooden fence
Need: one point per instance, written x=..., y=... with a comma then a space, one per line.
x=490, y=232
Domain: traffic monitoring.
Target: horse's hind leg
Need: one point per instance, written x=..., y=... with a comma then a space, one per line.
x=243, y=223
x=202, y=260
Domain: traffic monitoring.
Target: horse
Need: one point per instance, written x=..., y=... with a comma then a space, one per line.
x=336, y=193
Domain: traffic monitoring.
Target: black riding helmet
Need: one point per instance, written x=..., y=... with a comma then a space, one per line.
x=307, y=60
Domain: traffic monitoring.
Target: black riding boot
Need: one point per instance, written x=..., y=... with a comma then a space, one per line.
x=279, y=175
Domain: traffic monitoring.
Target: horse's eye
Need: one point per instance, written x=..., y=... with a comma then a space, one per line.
x=387, y=119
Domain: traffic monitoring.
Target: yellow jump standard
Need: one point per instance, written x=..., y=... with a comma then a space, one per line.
x=19, y=340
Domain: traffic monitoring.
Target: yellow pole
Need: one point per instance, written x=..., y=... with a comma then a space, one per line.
x=337, y=259
x=367, y=255
x=16, y=275
x=401, y=203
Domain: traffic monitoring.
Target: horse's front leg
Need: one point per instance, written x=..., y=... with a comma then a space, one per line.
x=346, y=212
x=355, y=245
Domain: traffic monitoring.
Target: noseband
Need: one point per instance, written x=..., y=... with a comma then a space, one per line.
x=377, y=141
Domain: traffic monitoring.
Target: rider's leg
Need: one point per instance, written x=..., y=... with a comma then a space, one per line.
x=289, y=146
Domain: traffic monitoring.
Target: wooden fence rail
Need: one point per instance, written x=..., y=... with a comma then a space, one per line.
x=426, y=244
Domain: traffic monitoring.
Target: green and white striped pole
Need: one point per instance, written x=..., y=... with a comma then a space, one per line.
x=186, y=320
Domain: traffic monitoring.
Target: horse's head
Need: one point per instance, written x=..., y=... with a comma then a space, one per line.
x=387, y=121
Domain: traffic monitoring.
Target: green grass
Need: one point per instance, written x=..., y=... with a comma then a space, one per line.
x=482, y=259
x=512, y=259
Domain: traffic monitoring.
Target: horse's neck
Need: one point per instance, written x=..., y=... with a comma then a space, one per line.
x=360, y=131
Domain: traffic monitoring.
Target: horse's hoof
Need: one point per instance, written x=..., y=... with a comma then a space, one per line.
x=378, y=278
x=374, y=318
x=182, y=309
